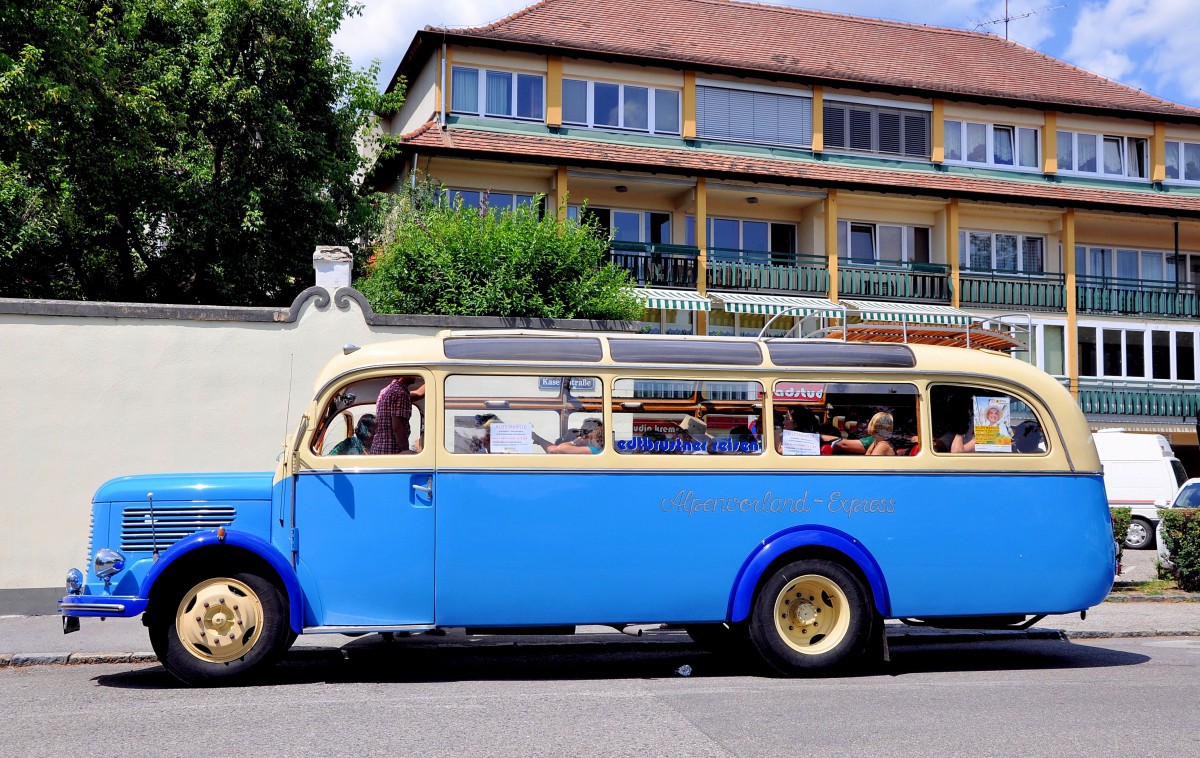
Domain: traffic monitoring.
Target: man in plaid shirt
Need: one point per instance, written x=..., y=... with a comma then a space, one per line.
x=393, y=410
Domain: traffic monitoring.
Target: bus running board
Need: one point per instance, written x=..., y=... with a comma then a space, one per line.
x=1012, y=623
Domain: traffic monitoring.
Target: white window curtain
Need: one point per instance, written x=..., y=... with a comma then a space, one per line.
x=575, y=97
x=464, y=88
x=1027, y=145
x=1086, y=144
x=953, y=131
x=1066, y=151
x=1002, y=145
x=1114, y=162
x=498, y=98
x=977, y=143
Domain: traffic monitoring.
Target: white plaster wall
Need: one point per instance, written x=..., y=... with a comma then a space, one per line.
x=89, y=398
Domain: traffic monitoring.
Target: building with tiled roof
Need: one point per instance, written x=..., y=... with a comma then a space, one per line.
x=749, y=159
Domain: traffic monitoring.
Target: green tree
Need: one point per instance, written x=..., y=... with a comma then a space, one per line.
x=177, y=150
x=438, y=258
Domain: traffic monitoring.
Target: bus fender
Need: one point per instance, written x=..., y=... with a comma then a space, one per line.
x=787, y=540
x=245, y=541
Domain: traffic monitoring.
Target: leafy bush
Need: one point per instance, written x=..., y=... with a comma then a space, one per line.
x=1120, y=522
x=440, y=258
x=1181, y=537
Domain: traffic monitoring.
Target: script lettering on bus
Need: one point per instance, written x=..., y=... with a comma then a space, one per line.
x=687, y=501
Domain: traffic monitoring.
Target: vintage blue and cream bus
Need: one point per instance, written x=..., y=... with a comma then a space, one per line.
x=789, y=495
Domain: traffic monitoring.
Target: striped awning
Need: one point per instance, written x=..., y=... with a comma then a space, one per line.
x=680, y=300
x=741, y=302
x=912, y=313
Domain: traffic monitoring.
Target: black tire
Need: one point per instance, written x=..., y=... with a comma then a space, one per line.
x=811, y=615
x=245, y=611
x=1140, y=535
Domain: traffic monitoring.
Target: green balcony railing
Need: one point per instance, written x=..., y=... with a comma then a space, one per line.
x=1134, y=398
x=900, y=281
x=656, y=264
x=1102, y=294
x=1041, y=292
x=761, y=271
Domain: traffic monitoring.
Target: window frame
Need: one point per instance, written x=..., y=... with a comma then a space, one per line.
x=1018, y=133
x=964, y=251
x=1128, y=145
x=874, y=110
x=481, y=73
x=651, y=107
x=907, y=243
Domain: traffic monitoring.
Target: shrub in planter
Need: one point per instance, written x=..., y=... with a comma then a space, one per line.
x=1181, y=537
x=1120, y=522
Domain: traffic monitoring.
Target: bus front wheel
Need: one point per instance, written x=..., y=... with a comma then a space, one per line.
x=221, y=629
x=810, y=615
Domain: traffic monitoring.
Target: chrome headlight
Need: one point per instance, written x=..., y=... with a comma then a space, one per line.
x=108, y=562
x=74, y=581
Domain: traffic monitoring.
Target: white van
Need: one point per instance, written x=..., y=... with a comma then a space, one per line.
x=1140, y=472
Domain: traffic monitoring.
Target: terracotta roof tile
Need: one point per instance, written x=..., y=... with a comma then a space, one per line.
x=823, y=46
x=477, y=144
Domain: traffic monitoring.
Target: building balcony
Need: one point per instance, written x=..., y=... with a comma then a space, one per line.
x=1102, y=294
x=1139, y=398
x=1034, y=292
x=760, y=271
x=925, y=282
x=657, y=265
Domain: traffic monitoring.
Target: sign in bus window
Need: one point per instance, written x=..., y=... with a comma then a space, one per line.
x=532, y=414
x=845, y=418
x=978, y=420
x=687, y=417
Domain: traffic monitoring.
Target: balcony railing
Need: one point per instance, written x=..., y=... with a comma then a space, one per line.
x=1042, y=292
x=761, y=271
x=657, y=265
x=1138, y=398
x=898, y=281
x=1102, y=294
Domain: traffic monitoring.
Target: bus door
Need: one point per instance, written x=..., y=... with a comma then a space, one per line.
x=365, y=520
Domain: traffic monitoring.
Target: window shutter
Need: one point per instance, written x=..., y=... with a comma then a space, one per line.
x=916, y=135
x=741, y=116
x=889, y=132
x=795, y=121
x=835, y=126
x=859, y=129
x=713, y=114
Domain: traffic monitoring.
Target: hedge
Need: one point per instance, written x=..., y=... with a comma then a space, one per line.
x=1181, y=538
x=1120, y=523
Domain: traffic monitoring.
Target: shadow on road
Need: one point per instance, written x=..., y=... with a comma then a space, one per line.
x=400, y=662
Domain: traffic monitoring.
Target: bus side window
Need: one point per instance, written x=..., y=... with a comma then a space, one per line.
x=348, y=424
x=490, y=414
x=687, y=417
x=845, y=418
x=978, y=420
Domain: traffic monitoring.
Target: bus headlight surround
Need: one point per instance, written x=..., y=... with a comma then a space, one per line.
x=74, y=581
x=108, y=562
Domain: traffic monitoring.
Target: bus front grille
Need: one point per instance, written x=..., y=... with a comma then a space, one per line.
x=139, y=533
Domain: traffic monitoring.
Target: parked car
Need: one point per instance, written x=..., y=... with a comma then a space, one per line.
x=1188, y=495
x=1142, y=473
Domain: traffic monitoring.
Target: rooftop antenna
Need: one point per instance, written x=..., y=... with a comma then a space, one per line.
x=1009, y=17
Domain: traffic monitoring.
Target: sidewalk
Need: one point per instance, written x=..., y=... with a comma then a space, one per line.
x=38, y=640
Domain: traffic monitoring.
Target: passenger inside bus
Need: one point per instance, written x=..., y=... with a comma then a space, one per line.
x=589, y=442
x=359, y=442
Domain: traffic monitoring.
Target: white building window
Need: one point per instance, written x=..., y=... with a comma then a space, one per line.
x=500, y=94
x=869, y=244
x=636, y=108
x=1183, y=161
x=999, y=251
x=997, y=145
x=1103, y=155
x=1133, y=268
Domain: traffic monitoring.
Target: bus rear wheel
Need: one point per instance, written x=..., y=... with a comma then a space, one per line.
x=221, y=628
x=811, y=615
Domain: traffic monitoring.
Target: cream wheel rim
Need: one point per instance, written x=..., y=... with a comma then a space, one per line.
x=219, y=620
x=812, y=614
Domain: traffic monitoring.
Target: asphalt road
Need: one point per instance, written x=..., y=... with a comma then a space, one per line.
x=1030, y=698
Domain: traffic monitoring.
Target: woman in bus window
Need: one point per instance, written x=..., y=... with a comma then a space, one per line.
x=589, y=442
x=879, y=429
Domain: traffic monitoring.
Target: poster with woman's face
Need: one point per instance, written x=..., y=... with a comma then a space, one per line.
x=993, y=428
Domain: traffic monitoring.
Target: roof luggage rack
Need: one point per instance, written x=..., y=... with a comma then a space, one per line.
x=914, y=324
